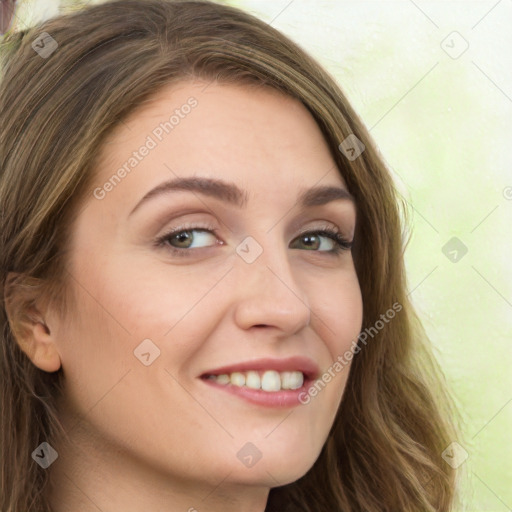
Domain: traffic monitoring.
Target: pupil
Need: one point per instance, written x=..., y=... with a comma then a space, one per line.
x=310, y=239
x=183, y=236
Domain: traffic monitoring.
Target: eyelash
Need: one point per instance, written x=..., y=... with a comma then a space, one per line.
x=341, y=243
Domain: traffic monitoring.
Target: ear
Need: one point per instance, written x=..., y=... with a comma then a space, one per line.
x=29, y=320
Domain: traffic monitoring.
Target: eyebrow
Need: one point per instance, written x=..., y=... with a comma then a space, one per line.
x=232, y=194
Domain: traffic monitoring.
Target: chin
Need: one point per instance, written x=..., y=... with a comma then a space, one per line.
x=277, y=469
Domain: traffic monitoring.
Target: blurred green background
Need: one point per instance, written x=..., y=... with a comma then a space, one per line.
x=433, y=83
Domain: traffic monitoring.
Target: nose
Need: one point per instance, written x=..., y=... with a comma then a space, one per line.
x=267, y=292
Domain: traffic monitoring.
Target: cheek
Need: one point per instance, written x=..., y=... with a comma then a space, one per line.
x=95, y=350
x=171, y=306
x=338, y=310
x=115, y=314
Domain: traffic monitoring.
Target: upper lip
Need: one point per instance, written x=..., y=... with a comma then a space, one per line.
x=297, y=363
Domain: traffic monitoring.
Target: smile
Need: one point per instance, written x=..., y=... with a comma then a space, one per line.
x=268, y=380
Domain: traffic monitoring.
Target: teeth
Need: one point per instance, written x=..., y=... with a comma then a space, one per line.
x=223, y=379
x=292, y=380
x=269, y=380
x=237, y=379
x=252, y=380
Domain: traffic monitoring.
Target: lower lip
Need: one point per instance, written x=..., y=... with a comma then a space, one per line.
x=276, y=399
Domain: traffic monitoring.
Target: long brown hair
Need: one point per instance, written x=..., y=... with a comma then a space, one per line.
x=384, y=450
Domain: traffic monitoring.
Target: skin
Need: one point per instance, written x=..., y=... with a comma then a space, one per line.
x=156, y=437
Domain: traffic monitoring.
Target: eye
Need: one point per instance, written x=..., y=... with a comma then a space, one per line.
x=336, y=242
x=181, y=239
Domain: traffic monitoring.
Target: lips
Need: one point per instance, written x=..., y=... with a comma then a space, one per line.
x=292, y=364
x=283, y=381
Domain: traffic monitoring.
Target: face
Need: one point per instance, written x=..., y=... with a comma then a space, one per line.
x=202, y=279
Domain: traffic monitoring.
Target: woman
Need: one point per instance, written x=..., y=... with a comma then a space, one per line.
x=205, y=303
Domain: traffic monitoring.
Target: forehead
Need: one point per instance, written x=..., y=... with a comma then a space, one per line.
x=255, y=136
